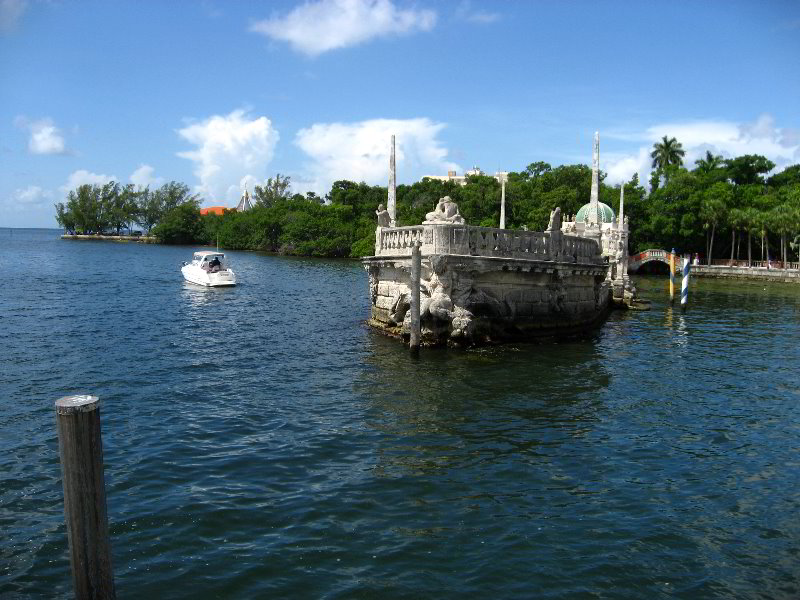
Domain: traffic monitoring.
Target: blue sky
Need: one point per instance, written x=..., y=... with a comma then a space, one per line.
x=222, y=95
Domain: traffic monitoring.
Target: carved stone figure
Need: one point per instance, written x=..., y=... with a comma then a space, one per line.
x=446, y=211
x=384, y=219
x=400, y=309
x=438, y=304
x=555, y=220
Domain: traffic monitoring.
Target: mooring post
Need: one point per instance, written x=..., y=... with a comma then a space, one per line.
x=672, y=277
x=416, y=267
x=685, y=284
x=81, y=448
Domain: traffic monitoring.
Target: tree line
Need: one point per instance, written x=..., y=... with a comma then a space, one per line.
x=112, y=207
x=716, y=209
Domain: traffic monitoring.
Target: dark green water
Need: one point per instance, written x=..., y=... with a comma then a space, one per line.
x=262, y=442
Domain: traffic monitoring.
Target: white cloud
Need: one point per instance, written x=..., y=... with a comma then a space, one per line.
x=84, y=177
x=10, y=13
x=621, y=167
x=466, y=12
x=317, y=27
x=229, y=148
x=360, y=151
x=726, y=138
x=33, y=196
x=143, y=177
x=45, y=137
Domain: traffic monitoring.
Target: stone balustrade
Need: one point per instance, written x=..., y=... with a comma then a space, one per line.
x=471, y=240
x=396, y=241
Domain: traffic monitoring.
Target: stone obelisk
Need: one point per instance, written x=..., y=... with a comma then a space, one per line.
x=623, y=236
x=502, y=201
x=392, y=200
x=594, y=199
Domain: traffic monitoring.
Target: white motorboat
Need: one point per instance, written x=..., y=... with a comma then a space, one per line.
x=208, y=268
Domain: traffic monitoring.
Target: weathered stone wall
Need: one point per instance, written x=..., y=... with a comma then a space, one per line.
x=754, y=273
x=472, y=300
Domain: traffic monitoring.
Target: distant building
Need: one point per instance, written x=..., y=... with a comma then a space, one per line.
x=462, y=179
x=245, y=203
x=213, y=210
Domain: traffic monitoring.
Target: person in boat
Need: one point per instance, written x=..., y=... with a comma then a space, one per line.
x=214, y=265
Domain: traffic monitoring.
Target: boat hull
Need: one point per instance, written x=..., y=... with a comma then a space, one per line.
x=198, y=276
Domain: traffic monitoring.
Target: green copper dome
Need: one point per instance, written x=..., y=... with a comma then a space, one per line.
x=606, y=213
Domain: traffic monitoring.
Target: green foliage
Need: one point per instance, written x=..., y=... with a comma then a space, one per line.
x=686, y=210
x=747, y=169
x=275, y=191
x=181, y=225
x=788, y=177
x=708, y=164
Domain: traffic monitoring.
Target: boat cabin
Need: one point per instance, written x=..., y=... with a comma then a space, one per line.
x=209, y=261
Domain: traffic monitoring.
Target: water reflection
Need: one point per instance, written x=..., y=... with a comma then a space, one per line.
x=199, y=298
x=462, y=408
x=676, y=322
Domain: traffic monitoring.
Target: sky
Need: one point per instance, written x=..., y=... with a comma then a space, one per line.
x=222, y=95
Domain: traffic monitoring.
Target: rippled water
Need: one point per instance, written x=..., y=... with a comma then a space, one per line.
x=261, y=441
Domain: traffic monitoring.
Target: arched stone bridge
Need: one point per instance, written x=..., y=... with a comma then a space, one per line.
x=637, y=260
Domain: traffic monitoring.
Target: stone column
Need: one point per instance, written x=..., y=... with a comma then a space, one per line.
x=594, y=199
x=391, y=203
x=502, y=202
x=623, y=238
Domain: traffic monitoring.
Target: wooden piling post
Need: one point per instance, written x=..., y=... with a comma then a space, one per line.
x=416, y=268
x=685, y=284
x=81, y=448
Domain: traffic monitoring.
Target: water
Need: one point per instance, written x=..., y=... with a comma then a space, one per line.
x=262, y=442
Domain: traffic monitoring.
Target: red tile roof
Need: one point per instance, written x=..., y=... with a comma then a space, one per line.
x=217, y=210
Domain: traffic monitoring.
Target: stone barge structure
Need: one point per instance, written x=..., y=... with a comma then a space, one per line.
x=483, y=285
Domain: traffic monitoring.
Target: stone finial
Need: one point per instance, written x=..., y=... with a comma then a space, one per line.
x=446, y=211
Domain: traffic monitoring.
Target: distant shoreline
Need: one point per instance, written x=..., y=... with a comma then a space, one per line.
x=141, y=239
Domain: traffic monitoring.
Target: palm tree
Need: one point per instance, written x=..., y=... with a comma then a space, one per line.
x=736, y=219
x=667, y=153
x=751, y=220
x=708, y=164
x=714, y=209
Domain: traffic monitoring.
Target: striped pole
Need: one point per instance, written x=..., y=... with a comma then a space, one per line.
x=672, y=277
x=685, y=284
x=416, y=268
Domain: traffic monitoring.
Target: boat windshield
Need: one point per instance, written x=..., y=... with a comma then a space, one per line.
x=204, y=258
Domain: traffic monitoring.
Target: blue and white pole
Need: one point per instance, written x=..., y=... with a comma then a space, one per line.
x=672, y=277
x=685, y=284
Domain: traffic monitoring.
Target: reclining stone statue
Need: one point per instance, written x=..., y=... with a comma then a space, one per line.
x=446, y=211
